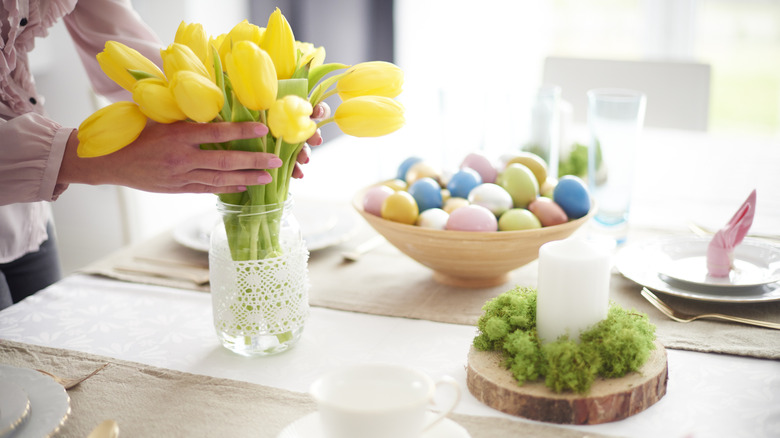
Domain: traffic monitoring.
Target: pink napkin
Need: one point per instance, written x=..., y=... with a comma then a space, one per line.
x=720, y=252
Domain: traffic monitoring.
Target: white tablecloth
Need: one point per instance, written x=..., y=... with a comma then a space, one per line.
x=708, y=395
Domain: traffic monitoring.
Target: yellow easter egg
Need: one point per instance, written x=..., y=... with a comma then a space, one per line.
x=396, y=184
x=400, y=207
x=421, y=170
x=454, y=203
x=533, y=162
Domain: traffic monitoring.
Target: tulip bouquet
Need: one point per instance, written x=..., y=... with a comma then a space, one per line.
x=249, y=74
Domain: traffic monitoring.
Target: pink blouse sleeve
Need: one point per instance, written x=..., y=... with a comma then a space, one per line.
x=31, y=171
x=93, y=22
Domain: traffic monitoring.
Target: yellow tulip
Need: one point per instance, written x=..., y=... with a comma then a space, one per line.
x=198, y=97
x=178, y=57
x=109, y=129
x=217, y=42
x=156, y=101
x=309, y=53
x=116, y=59
x=243, y=31
x=193, y=36
x=290, y=119
x=369, y=116
x=375, y=78
x=252, y=74
x=279, y=42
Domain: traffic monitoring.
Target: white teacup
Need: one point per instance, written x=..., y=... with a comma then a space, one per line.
x=378, y=401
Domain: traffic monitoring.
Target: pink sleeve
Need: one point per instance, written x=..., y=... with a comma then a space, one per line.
x=93, y=22
x=29, y=173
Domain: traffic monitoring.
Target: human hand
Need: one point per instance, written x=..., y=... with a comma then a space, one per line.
x=167, y=158
x=321, y=111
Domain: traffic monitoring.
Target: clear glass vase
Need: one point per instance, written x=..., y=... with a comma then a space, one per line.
x=259, y=278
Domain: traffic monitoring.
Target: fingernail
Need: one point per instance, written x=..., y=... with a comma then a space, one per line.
x=274, y=162
x=261, y=130
x=264, y=179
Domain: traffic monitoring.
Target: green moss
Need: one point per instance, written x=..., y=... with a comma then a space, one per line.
x=617, y=345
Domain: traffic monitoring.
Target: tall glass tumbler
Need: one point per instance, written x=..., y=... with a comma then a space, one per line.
x=615, y=120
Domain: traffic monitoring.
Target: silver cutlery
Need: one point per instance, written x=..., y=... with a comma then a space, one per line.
x=69, y=383
x=684, y=317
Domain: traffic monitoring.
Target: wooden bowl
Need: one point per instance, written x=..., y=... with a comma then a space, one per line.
x=464, y=258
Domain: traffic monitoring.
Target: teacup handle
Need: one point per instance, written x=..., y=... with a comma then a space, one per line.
x=446, y=380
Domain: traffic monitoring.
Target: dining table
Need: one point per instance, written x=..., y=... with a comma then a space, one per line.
x=168, y=375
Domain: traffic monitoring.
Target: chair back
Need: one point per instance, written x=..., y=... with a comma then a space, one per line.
x=678, y=93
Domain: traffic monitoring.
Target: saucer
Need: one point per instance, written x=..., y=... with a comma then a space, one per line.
x=14, y=407
x=309, y=427
x=49, y=403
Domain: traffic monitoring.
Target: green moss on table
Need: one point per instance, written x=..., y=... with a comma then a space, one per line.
x=617, y=345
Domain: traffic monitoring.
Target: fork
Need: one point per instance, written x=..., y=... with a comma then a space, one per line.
x=69, y=383
x=684, y=317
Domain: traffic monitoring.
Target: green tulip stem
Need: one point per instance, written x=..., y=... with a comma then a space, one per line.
x=326, y=121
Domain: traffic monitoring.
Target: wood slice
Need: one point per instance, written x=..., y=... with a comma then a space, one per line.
x=608, y=399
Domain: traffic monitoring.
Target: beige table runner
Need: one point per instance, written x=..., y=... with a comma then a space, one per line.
x=386, y=282
x=153, y=402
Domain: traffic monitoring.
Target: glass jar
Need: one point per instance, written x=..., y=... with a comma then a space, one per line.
x=259, y=278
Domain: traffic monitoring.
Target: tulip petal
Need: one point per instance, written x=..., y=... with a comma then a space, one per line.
x=109, y=129
x=369, y=116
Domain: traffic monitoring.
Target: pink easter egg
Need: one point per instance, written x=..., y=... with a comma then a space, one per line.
x=472, y=218
x=548, y=212
x=479, y=162
x=374, y=197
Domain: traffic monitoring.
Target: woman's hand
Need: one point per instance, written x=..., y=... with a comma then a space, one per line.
x=167, y=158
x=321, y=111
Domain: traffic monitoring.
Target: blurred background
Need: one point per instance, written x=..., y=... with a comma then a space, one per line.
x=472, y=70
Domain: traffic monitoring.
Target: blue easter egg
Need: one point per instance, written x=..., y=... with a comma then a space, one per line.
x=572, y=196
x=405, y=165
x=463, y=181
x=427, y=193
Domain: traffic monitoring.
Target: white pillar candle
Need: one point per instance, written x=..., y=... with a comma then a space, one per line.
x=573, y=287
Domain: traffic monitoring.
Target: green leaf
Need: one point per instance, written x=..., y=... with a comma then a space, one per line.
x=140, y=74
x=317, y=95
x=317, y=73
x=297, y=87
x=220, y=78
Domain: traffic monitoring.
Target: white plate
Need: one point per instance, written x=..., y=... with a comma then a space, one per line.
x=322, y=225
x=644, y=263
x=310, y=427
x=49, y=403
x=14, y=406
x=756, y=263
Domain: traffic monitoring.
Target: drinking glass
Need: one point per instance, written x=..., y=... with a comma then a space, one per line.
x=615, y=120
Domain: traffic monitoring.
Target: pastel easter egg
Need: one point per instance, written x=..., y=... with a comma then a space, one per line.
x=548, y=212
x=374, y=197
x=479, y=162
x=533, y=162
x=521, y=184
x=463, y=181
x=427, y=193
x=421, y=170
x=396, y=184
x=445, y=195
x=472, y=218
x=547, y=188
x=573, y=197
x=517, y=219
x=400, y=207
x=491, y=196
x=453, y=204
x=405, y=165
x=434, y=218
